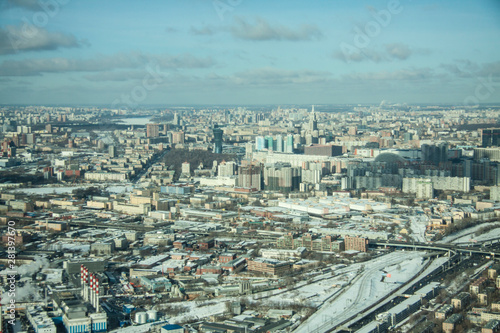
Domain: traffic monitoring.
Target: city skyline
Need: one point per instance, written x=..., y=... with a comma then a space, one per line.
x=127, y=55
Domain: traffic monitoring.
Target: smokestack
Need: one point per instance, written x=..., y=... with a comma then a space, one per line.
x=1, y=318
x=94, y=294
x=91, y=289
x=86, y=284
x=82, y=280
x=97, y=295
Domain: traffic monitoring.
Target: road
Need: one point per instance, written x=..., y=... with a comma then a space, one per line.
x=154, y=159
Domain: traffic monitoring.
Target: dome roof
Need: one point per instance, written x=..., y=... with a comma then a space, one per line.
x=390, y=158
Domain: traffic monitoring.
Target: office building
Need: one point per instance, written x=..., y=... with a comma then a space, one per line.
x=217, y=140
x=288, y=144
x=490, y=137
x=323, y=150
x=260, y=143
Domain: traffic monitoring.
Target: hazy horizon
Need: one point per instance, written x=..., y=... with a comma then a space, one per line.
x=236, y=52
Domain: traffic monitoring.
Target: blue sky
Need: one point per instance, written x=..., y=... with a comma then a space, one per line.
x=249, y=52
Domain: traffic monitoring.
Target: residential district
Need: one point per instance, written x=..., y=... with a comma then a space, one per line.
x=349, y=218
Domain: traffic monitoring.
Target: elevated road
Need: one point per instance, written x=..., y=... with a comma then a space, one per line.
x=435, y=247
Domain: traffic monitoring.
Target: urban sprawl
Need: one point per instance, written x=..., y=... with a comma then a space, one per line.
x=325, y=218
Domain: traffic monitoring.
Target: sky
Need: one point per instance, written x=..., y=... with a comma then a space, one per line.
x=122, y=53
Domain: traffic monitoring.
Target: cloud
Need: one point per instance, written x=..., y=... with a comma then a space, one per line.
x=398, y=51
x=27, y=4
x=24, y=39
x=204, y=31
x=275, y=76
x=456, y=70
x=389, y=52
x=261, y=30
x=403, y=74
x=171, y=29
x=358, y=55
x=116, y=76
x=464, y=68
x=34, y=67
x=491, y=68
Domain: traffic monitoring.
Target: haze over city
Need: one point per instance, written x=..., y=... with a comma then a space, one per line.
x=249, y=52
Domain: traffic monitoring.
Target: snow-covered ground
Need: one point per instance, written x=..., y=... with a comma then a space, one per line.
x=374, y=280
x=466, y=234
x=490, y=235
x=418, y=224
x=196, y=310
x=138, y=328
x=69, y=189
x=49, y=190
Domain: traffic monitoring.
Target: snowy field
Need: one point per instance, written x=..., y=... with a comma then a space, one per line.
x=418, y=226
x=375, y=279
x=197, y=311
x=466, y=234
x=69, y=189
x=49, y=190
x=493, y=234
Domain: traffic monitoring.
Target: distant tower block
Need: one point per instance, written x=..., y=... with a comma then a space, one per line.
x=313, y=121
x=245, y=287
x=112, y=151
x=218, y=140
x=152, y=130
x=186, y=169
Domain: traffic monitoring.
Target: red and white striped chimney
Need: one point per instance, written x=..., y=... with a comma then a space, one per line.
x=97, y=295
x=92, y=289
x=82, y=285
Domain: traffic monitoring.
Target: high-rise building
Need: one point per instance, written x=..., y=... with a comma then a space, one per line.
x=270, y=144
x=186, y=169
x=260, y=143
x=152, y=130
x=178, y=137
x=112, y=151
x=226, y=169
x=313, y=121
x=250, y=176
x=279, y=143
x=218, y=140
x=281, y=177
x=490, y=137
x=435, y=154
x=289, y=144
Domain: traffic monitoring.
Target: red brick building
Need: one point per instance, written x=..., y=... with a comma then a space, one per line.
x=226, y=257
x=207, y=269
x=356, y=243
x=269, y=266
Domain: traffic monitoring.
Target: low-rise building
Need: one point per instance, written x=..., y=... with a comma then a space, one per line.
x=491, y=326
x=269, y=266
x=460, y=301
x=450, y=323
x=443, y=312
